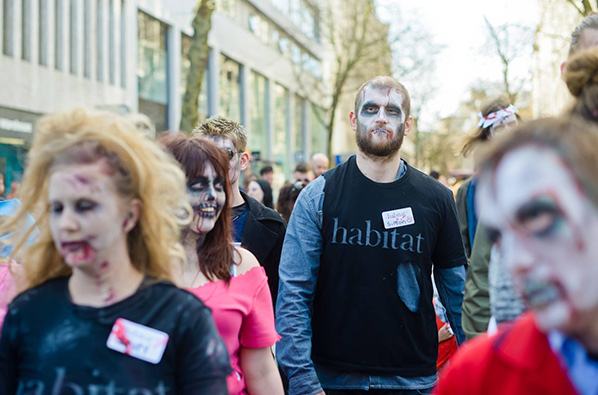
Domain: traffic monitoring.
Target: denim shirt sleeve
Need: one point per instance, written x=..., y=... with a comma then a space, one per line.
x=299, y=268
x=451, y=287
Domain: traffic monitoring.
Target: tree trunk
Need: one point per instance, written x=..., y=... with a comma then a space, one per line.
x=198, y=59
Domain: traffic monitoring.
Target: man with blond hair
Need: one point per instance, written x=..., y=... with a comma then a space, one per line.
x=258, y=228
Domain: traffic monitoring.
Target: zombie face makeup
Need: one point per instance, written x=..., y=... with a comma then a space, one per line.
x=235, y=157
x=379, y=122
x=506, y=123
x=548, y=229
x=89, y=219
x=207, y=198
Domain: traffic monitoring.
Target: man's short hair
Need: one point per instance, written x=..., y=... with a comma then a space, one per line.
x=302, y=167
x=589, y=22
x=266, y=169
x=223, y=127
x=384, y=82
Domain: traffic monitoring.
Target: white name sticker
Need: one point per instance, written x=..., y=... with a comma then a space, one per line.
x=137, y=340
x=398, y=218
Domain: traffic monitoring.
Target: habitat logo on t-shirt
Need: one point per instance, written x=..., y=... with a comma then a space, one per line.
x=398, y=218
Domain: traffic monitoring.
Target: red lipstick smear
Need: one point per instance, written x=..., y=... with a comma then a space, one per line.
x=121, y=334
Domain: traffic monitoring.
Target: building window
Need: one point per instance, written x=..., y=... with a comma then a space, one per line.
x=281, y=111
x=202, y=109
x=152, y=70
x=59, y=30
x=258, y=133
x=298, y=129
x=230, y=89
x=123, y=44
x=87, y=39
x=317, y=129
x=74, y=37
x=100, y=32
x=295, y=54
x=259, y=27
x=111, y=43
x=227, y=7
x=8, y=28
x=282, y=6
x=43, y=33
x=26, y=28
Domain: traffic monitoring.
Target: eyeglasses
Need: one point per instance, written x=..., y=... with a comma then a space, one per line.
x=231, y=153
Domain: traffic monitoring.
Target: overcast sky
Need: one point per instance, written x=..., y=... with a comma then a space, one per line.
x=459, y=26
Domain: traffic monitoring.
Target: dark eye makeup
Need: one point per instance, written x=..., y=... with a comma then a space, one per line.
x=540, y=217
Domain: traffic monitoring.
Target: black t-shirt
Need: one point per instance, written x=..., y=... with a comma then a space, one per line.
x=372, y=310
x=51, y=346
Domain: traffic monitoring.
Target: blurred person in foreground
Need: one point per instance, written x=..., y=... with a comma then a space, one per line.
x=538, y=197
x=227, y=278
x=100, y=312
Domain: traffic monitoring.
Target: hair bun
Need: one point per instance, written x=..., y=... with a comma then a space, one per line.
x=582, y=71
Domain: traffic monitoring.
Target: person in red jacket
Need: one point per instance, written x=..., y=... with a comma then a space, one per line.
x=538, y=195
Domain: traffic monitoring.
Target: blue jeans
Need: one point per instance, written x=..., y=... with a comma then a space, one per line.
x=378, y=392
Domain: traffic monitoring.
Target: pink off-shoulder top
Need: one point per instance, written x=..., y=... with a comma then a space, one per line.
x=244, y=316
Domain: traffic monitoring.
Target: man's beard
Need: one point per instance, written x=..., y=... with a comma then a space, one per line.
x=380, y=150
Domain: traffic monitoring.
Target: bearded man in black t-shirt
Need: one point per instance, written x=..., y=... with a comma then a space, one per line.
x=355, y=303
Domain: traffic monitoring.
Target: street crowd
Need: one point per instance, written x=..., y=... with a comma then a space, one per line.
x=134, y=265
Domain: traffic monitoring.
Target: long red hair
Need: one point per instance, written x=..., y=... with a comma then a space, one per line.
x=217, y=252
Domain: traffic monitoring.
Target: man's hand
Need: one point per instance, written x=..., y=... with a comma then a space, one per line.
x=444, y=333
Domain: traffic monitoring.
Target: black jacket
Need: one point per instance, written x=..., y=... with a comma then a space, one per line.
x=263, y=235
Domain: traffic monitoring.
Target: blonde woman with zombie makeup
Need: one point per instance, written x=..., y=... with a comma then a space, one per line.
x=100, y=314
x=538, y=197
x=227, y=278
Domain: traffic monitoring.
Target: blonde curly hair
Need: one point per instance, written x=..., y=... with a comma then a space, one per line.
x=141, y=170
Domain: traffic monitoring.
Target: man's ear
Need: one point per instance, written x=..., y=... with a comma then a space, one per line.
x=563, y=65
x=243, y=160
x=408, y=125
x=133, y=212
x=353, y=120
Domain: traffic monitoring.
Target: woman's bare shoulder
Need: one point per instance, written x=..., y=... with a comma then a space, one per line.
x=245, y=260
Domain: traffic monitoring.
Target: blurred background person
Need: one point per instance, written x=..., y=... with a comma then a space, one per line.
x=497, y=117
x=303, y=173
x=260, y=190
x=287, y=197
x=319, y=164
x=227, y=278
x=267, y=174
